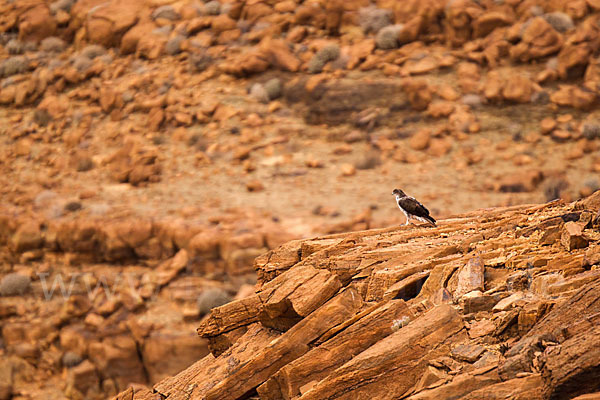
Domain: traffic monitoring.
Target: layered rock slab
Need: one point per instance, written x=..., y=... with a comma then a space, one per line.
x=393, y=365
x=477, y=307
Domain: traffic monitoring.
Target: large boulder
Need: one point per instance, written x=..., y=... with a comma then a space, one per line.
x=36, y=23
x=538, y=39
x=107, y=22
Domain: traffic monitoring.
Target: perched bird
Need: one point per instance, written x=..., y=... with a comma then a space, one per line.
x=412, y=208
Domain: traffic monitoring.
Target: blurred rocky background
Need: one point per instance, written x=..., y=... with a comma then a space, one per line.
x=151, y=150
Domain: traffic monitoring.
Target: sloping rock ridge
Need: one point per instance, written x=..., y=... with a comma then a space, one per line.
x=497, y=303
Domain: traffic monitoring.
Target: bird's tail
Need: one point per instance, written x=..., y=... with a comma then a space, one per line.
x=431, y=220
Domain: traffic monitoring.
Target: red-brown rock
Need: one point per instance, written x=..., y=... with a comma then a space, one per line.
x=109, y=21
x=518, y=88
x=420, y=140
x=419, y=93
x=572, y=237
x=539, y=39
x=573, y=96
x=36, y=23
x=489, y=21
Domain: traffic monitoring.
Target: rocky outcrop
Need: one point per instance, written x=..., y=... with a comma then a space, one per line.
x=478, y=307
x=106, y=302
x=280, y=38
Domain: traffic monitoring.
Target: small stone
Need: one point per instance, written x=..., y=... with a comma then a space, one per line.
x=421, y=66
x=520, y=182
x=561, y=135
x=440, y=109
x=296, y=34
x=94, y=320
x=348, y=169
x=274, y=106
x=27, y=351
x=439, y=147
x=573, y=96
x=574, y=154
x=518, y=88
x=547, y=125
x=447, y=92
x=420, y=140
x=572, y=236
x=255, y=186
x=342, y=149
x=418, y=91
x=313, y=163
x=27, y=237
x=222, y=23
x=87, y=194
x=182, y=118
x=489, y=21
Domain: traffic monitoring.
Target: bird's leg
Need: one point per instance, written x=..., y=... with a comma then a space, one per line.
x=407, y=221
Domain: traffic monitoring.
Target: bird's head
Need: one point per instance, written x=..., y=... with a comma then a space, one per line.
x=398, y=192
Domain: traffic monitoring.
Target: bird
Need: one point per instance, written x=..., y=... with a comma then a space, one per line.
x=412, y=208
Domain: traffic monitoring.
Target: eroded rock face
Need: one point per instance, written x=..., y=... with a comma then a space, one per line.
x=523, y=342
x=132, y=317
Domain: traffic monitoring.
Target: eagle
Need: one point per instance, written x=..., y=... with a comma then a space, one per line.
x=412, y=208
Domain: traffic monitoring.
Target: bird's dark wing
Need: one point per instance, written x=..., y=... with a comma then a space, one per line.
x=413, y=207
